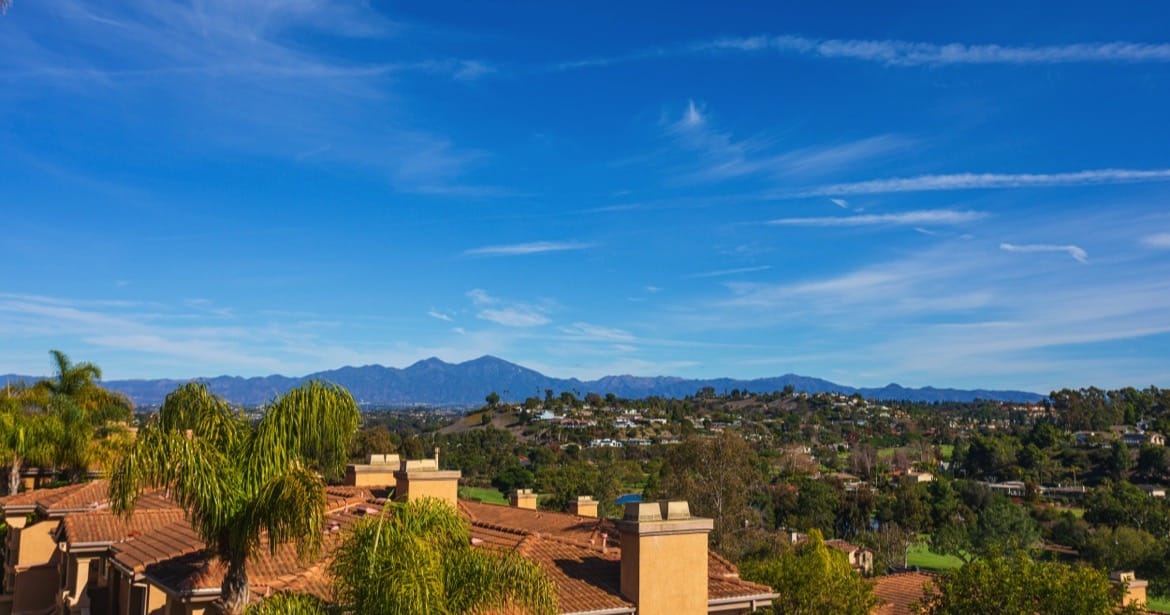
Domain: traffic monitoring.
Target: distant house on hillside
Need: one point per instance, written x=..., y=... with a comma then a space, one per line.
x=1143, y=438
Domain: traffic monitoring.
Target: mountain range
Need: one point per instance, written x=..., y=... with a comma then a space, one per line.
x=434, y=382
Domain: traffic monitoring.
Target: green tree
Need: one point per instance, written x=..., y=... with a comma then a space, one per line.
x=717, y=476
x=1120, y=461
x=26, y=436
x=492, y=399
x=417, y=558
x=79, y=383
x=287, y=603
x=812, y=579
x=1122, y=548
x=1018, y=585
x=377, y=440
x=1118, y=504
x=1001, y=527
x=238, y=480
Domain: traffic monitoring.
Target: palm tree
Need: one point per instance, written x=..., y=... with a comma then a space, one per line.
x=79, y=382
x=417, y=558
x=241, y=481
x=72, y=378
x=25, y=434
x=287, y=603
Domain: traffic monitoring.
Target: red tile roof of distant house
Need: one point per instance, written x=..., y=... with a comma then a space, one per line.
x=899, y=591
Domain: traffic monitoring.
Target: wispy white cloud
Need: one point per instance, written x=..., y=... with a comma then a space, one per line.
x=1157, y=240
x=514, y=316
x=909, y=218
x=589, y=332
x=907, y=53
x=507, y=313
x=984, y=181
x=726, y=272
x=842, y=203
x=535, y=247
x=1074, y=251
x=239, y=67
x=894, y=52
x=440, y=315
x=723, y=156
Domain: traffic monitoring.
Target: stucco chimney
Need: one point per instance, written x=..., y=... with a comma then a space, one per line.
x=523, y=498
x=1135, y=588
x=664, y=558
x=419, y=478
x=379, y=472
x=585, y=506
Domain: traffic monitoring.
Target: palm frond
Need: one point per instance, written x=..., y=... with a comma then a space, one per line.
x=381, y=569
x=287, y=603
x=417, y=558
x=291, y=508
x=479, y=581
x=313, y=422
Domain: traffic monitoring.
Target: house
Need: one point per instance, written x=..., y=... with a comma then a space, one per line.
x=917, y=477
x=1010, y=488
x=79, y=558
x=1143, y=438
x=859, y=557
x=1153, y=491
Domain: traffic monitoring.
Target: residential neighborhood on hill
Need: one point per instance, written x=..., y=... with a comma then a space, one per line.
x=734, y=502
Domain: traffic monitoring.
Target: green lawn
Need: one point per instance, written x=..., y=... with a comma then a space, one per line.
x=1159, y=604
x=921, y=556
x=483, y=494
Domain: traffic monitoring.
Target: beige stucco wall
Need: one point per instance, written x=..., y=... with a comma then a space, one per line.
x=665, y=574
x=156, y=601
x=414, y=485
x=524, y=500
x=35, y=543
x=446, y=490
x=76, y=579
x=370, y=475
x=583, y=509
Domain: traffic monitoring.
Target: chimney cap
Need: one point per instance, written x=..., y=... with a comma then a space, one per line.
x=642, y=511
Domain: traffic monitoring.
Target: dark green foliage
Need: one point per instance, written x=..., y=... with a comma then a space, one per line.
x=417, y=559
x=1122, y=504
x=1018, y=585
x=285, y=603
x=812, y=580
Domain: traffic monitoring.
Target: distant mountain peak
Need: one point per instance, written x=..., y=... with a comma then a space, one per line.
x=433, y=381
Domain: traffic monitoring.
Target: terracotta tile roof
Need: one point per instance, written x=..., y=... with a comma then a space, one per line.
x=85, y=496
x=46, y=498
x=341, y=498
x=569, y=549
x=842, y=545
x=586, y=578
x=900, y=590
x=268, y=572
x=160, y=544
x=175, y=558
x=101, y=527
x=541, y=521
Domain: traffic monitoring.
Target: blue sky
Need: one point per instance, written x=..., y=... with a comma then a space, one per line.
x=956, y=196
